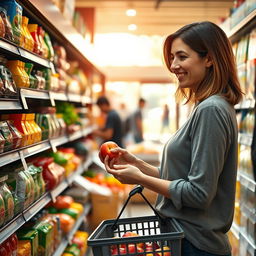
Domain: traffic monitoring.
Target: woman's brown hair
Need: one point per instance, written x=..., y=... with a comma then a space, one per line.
x=208, y=39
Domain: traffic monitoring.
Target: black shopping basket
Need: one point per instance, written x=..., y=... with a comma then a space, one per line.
x=139, y=236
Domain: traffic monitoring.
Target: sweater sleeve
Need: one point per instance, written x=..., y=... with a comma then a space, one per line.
x=209, y=135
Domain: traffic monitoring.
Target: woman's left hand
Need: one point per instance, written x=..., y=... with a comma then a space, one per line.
x=125, y=173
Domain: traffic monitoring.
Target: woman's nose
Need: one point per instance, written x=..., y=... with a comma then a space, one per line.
x=175, y=65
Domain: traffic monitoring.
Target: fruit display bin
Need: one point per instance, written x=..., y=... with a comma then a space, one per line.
x=137, y=236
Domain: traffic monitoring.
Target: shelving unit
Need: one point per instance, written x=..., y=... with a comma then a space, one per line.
x=49, y=17
x=246, y=245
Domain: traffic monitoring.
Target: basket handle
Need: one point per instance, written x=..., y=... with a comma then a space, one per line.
x=137, y=189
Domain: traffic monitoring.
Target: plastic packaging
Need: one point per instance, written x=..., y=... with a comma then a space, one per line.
x=2, y=27
x=8, y=198
x=49, y=45
x=14, y=11
x=6, y=133
x=40, y=33
x=8, y=28
x=33, y=31
x=28, y=39
x=32, y=79
x=20, y=76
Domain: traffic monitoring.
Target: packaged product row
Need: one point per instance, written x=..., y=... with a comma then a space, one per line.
x=42, y=235
x=20, y=130
x=245, y=53
x=16, y=28
x=20, y=187
x=18, y=74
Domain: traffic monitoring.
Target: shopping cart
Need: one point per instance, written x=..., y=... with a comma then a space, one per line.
x=140, y=236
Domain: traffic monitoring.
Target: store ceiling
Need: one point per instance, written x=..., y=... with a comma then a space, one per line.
x=154, y=17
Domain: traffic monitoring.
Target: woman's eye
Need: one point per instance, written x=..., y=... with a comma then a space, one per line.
x=183, y=57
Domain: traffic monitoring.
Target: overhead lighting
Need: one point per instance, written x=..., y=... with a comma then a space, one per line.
x=131, y=12
x=132, y=27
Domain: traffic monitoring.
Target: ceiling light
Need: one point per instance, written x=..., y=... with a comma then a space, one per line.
x=132, y=27
x=131, y=12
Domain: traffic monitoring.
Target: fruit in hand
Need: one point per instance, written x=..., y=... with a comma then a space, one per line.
x=105, y=150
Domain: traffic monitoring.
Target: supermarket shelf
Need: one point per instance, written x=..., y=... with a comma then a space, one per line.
x=74, y=97
x=34, y=58
x=14, y=155
x=9, y=157
x=247, y=181
x=245, y=139
x=28, y=93
x=246, y=23
x=35, y=149
x=35, y=207
x=33, y=94
x=66, y=240
x=8, y=104
x=59, y=96
x=11, y=227
x=22, y=54
x=27, y=214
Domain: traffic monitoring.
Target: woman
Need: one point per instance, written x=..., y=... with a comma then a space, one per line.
x=197, y=176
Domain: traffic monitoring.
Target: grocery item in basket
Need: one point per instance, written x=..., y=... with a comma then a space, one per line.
x=14, y=12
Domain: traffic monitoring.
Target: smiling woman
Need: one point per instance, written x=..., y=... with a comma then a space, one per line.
x=197, y=175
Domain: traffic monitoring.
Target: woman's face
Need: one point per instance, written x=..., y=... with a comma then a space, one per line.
x=187, y=65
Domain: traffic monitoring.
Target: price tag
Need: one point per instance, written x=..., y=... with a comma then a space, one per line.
x=23, y=100
x=23, y=161
x=52, y=99
x=53, y=196
x=52, y=68
x=53, y=146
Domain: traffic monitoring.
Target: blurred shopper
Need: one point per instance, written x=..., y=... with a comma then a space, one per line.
x=165, y=119
x=112, y=129
x=136, y=122
x=197, y=176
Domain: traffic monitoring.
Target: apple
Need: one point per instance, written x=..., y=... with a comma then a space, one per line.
x=131, y=234
x=132, y=249
x=164, y=251
x=105, y=150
